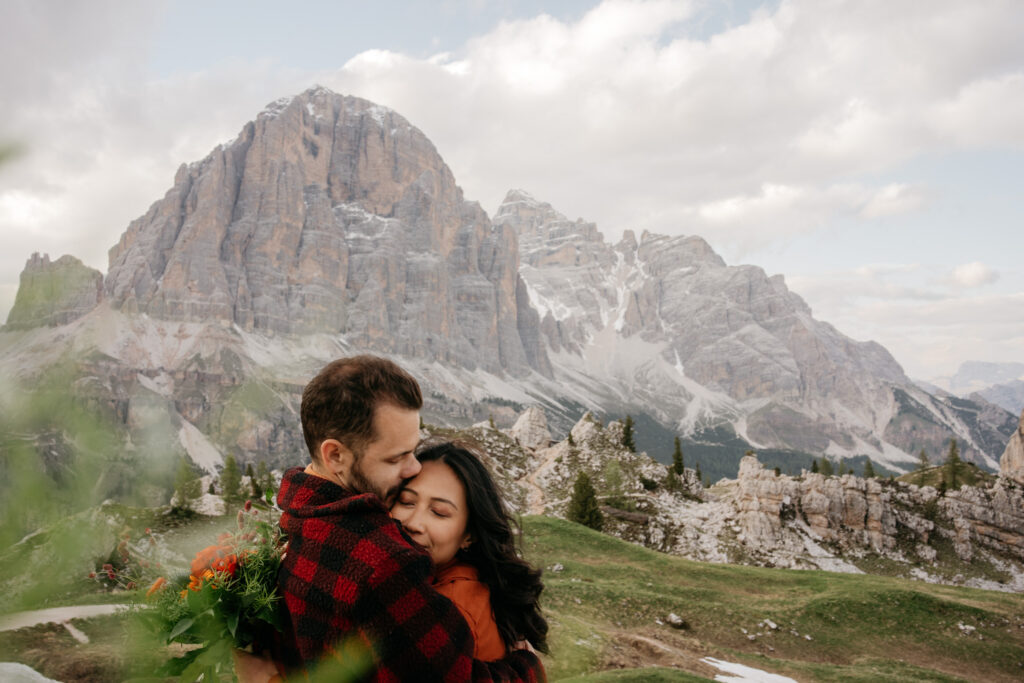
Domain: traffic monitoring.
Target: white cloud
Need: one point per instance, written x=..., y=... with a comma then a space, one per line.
x=893, y=200
x=973, y=274
x=765, y=132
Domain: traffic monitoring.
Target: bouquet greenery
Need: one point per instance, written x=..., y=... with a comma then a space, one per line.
x=228, y=600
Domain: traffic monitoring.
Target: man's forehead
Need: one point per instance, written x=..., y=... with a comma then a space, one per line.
x=396, y=426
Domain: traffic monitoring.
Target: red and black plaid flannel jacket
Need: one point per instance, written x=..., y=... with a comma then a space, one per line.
x=350, y=571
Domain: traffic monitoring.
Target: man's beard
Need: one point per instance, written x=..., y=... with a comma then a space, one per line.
x=362, y=484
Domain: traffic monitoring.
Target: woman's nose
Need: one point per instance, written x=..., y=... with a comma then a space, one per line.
x=412, y=523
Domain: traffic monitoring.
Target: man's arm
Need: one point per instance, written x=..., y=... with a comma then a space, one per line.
x=418, y=634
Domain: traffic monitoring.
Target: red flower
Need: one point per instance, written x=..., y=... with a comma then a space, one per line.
x=92, y=575
x=248, y=505
x=205, y=558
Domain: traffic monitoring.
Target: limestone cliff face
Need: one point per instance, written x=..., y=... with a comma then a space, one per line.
x=666, y=317
x=1011, y=465
x=331, y=214
x=971, y=535
x=54, y=293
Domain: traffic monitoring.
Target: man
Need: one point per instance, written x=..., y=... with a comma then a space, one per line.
x=352, y=580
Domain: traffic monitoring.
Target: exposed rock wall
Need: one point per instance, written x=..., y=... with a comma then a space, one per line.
x=667, y=317
x=1011, y=465
x=54, y=293
x=813, y=521
x=332, y=214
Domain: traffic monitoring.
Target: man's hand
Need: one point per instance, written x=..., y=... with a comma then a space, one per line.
x=524, y=645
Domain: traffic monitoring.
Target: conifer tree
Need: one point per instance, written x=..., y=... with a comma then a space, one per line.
x=869, y=470
x=952, y=465
x=671, y=479
x=187, y=486
x=826, y=467
x=627, y=435
x=231, y=481
x=922, y=460
x=570, y=440
x=613, y=480
x=677, y=458
x=583, y=504
x=699, y=477
x=814, y=466
x=264, y=478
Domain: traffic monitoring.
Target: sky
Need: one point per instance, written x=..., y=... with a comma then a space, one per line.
x=871, y=151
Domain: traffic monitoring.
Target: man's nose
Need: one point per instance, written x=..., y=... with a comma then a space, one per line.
x=411, y=467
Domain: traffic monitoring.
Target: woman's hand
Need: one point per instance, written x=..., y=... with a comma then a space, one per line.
x=253, y=669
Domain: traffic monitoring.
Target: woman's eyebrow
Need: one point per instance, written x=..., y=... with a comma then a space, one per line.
x=439, y=499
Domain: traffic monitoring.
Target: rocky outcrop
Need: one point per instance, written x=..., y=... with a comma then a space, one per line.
x=531, y=429
x=972, y=535
x=54, y=293
x=332, y=214
x=1011, y=465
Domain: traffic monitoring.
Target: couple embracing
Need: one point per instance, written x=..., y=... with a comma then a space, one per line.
x=400, y=550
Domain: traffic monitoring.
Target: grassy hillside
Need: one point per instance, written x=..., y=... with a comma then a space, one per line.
x=605, y=599
x=605, y=603
x=967, y=473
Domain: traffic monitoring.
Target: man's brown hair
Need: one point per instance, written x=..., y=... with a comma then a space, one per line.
x=340, y=402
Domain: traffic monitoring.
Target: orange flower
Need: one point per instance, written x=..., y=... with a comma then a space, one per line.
x=157, y=585
x=205, y=558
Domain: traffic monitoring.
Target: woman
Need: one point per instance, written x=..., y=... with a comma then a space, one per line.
x=454, y=510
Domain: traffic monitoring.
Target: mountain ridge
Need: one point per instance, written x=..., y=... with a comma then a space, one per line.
x=331, y=225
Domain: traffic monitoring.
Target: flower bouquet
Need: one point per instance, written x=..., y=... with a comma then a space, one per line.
x=228, y=600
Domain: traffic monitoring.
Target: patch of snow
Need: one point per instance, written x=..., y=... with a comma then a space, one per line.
x=13, y=672
x=199, y=449
x=743, y=674
x=378, y=113
x=55, y=615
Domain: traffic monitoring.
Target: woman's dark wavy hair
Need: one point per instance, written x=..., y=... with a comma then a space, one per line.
x=514, y=584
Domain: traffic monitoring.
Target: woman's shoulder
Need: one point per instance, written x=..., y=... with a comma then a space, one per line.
x=457, y=572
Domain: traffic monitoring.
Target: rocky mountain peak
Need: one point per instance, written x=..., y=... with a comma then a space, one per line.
x=54, y=293
x=329, y=213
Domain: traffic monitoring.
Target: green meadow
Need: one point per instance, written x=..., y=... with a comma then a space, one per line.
x=608, y=604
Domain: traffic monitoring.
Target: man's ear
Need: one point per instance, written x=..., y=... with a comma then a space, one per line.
x=336, y=458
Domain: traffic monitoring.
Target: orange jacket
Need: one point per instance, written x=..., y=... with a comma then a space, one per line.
x=459, y=583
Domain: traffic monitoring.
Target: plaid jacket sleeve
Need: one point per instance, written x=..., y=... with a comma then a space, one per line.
x=356, y=578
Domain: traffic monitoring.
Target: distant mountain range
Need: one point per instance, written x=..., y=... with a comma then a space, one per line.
x=331, y=225
x=998, y=383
